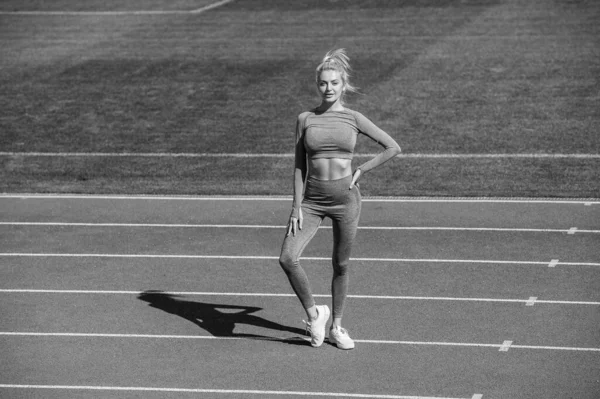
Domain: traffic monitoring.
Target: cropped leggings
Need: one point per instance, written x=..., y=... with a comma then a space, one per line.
x=324, y=198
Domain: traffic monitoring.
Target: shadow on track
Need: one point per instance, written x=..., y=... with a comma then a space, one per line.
x=219, y=319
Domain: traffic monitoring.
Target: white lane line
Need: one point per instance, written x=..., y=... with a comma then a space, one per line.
x=258, y=257
x=267, y=155
x=260, y=226
x=555, y=348
x=222, y=391
x=281, y=295
x=257, y=226
x=501, y=347
x=492, y=200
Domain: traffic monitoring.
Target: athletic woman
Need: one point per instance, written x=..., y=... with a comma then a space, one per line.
x=324, y=186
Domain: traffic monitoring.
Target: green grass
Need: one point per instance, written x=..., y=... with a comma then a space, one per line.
x=487, y=76
x=251, y=176
x=104, y=5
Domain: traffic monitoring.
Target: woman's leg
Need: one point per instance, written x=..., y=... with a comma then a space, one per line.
x=292, y=248
x=345, y=224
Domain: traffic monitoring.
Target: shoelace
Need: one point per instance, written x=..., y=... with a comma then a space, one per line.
x=307, y=330
x=340, y=331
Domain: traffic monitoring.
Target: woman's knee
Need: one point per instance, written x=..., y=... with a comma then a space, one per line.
x=287, y=261
x=341, y=267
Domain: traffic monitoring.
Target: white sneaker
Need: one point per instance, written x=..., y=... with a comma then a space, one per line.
x=340, y=337
x=317, y=327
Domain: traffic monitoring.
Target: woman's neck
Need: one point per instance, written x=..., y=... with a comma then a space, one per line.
x=325, y=107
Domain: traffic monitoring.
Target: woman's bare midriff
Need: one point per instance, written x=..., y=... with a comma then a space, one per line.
x=329, y=168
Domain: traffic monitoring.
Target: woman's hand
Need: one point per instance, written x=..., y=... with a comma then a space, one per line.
x=295, y=224
x=355, y=178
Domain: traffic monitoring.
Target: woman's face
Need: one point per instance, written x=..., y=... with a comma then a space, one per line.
x=331, y=86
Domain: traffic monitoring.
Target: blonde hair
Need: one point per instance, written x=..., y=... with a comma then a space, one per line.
x=337, y=60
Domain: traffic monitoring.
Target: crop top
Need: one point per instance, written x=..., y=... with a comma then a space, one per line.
x=333, y=134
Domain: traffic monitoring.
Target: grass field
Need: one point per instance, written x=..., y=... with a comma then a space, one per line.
x=442, y=77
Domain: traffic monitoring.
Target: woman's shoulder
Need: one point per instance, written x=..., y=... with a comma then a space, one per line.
x=357, y=117
x=353, y=112
x=304, y=115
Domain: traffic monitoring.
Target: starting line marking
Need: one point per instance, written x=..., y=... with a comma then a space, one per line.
x=505, y=346
x=501, y=347
x=529, y=302
x=258, y=257
x=571, y=230
x=223, y=391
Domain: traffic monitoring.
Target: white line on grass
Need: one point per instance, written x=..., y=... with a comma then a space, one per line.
x=118, y=13
x=94, y=13
x=570, y=201
x=222, y=391
x=257, y=226
x=210, y=6
x=258, y=257
x=281, y=295
x=289, y=155
x=364, y=341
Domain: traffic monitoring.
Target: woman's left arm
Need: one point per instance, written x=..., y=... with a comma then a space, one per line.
x=391, y=148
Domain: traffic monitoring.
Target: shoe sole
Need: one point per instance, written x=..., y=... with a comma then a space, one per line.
x=339, y=345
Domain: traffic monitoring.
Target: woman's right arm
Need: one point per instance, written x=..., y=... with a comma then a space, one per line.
x=300, y=169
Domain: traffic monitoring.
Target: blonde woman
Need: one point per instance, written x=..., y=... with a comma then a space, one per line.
x=324, y=186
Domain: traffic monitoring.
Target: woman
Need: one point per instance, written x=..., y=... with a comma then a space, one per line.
x=324, y=186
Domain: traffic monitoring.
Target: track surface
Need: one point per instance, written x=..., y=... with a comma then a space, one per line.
x=505, y=313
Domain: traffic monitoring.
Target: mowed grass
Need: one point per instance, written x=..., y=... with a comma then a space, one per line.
x=102, y=6
x=480, y=76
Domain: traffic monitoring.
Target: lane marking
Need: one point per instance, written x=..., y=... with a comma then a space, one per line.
x=553, y=263
x=218, y=391
x=103, y=13
x=492, y=200
x=258, y=257
x=258, y=226
x=505, y=346
x=501, y=347
x=268, y=155
x=555, y=348
x=281, y=295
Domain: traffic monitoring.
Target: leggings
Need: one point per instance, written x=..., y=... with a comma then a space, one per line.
x=324, y=198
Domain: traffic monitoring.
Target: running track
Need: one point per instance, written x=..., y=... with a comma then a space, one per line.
x=449, y=299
